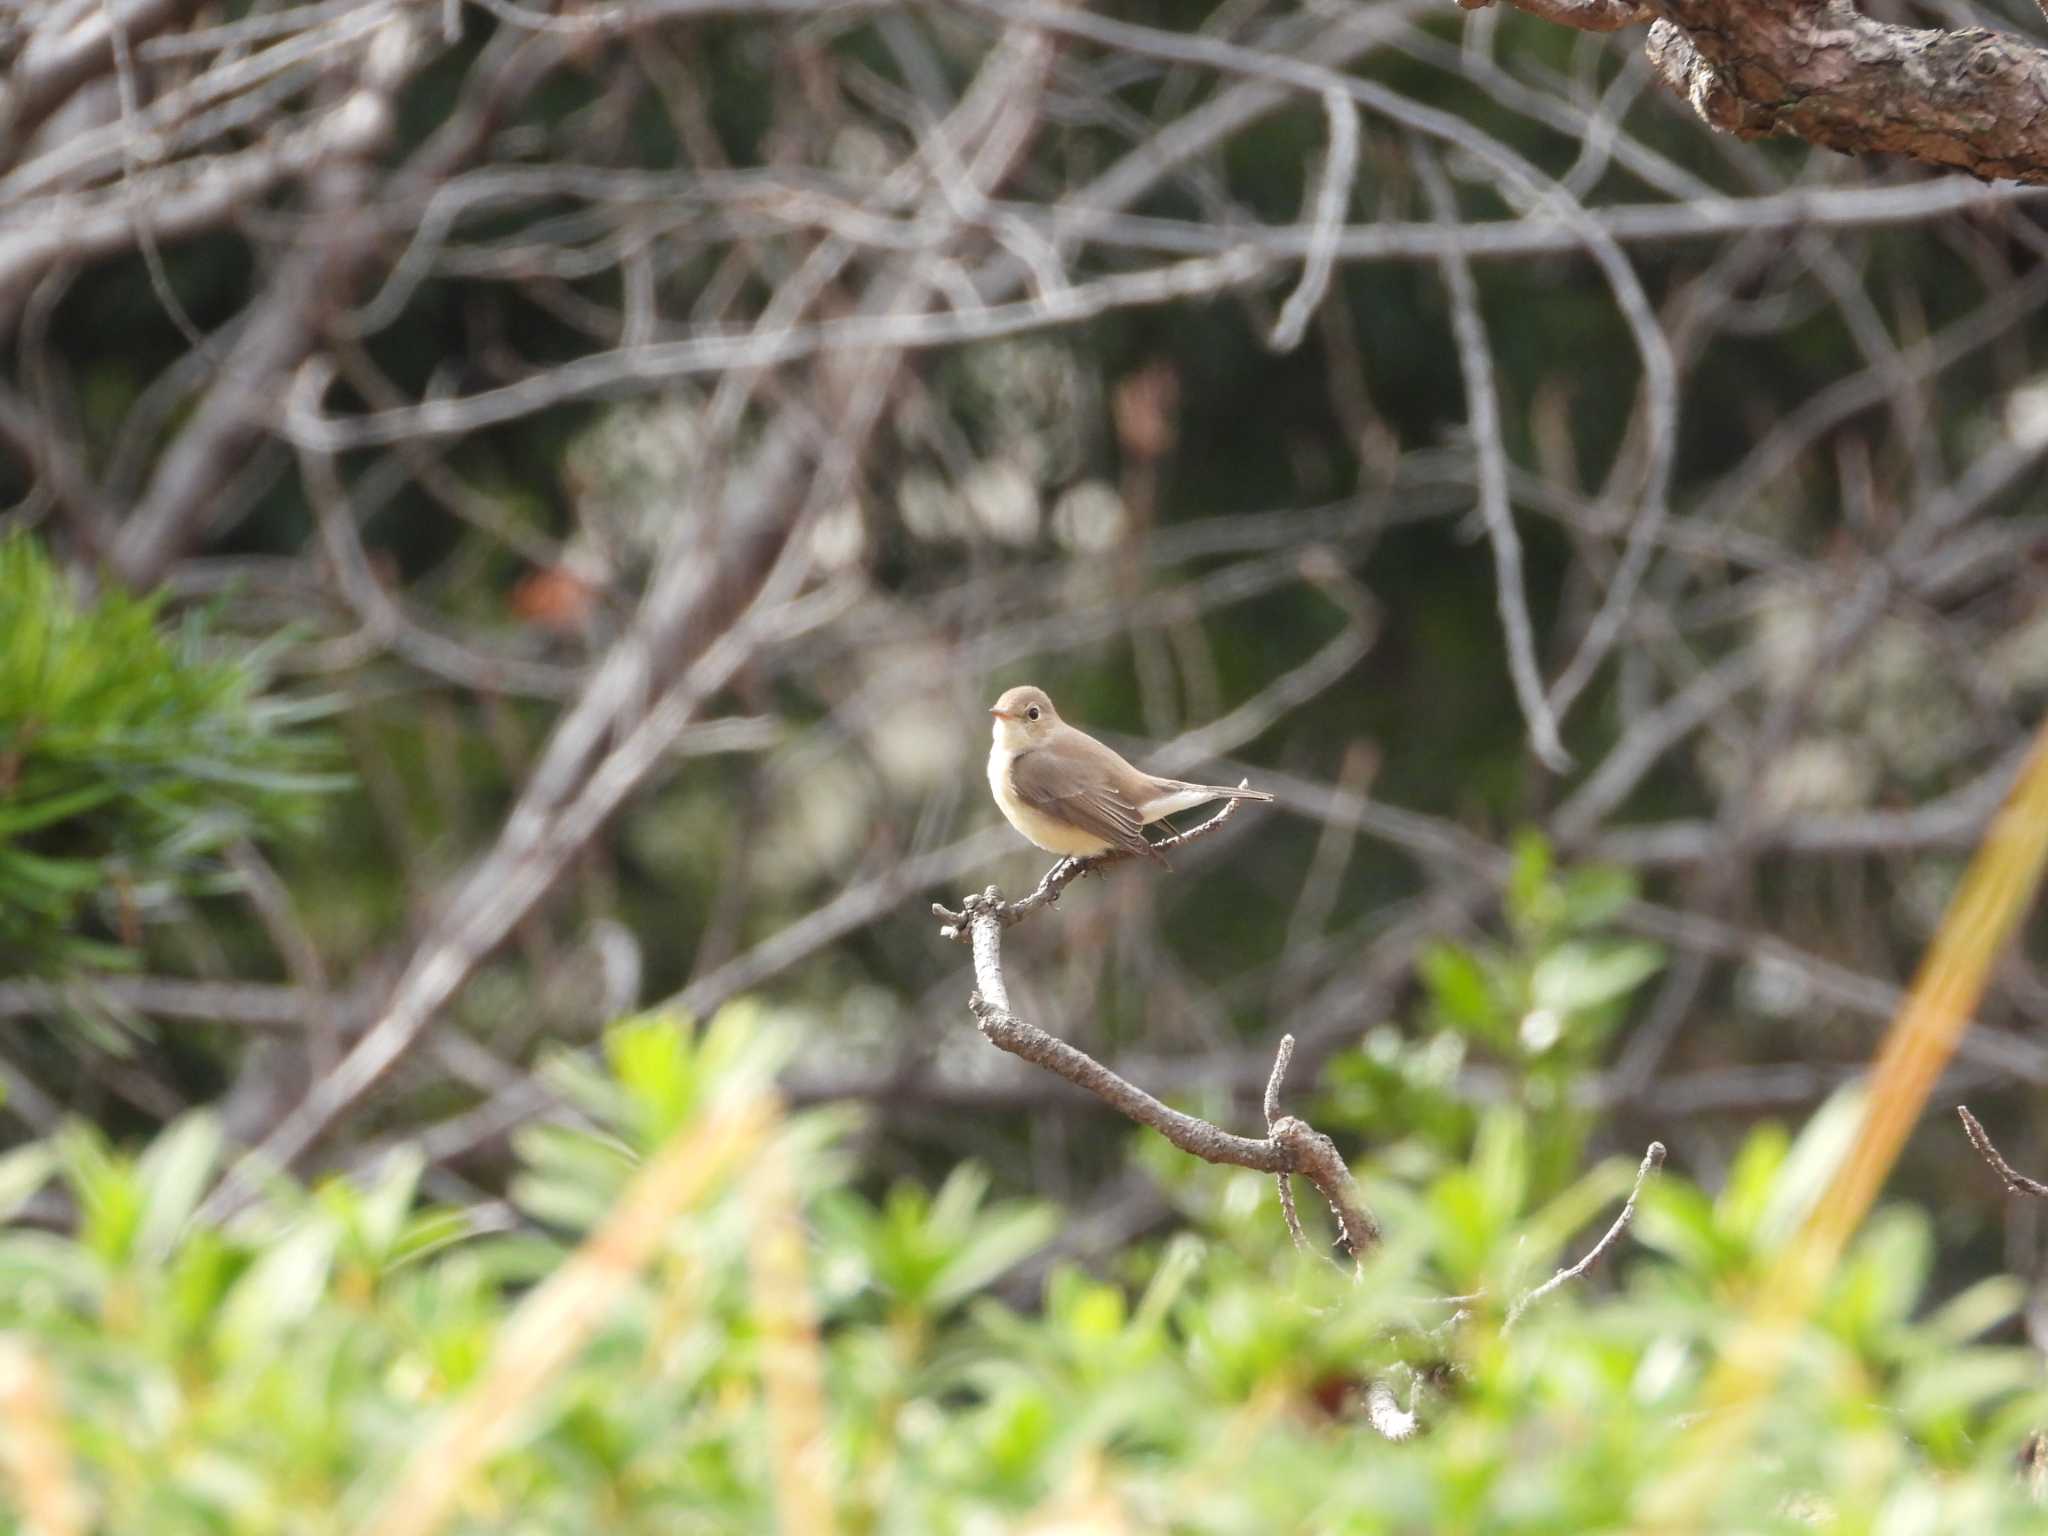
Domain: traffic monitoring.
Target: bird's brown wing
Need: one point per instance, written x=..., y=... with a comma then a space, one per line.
x=1098, y=808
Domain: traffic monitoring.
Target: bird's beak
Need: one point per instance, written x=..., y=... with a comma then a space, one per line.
x=1001, y=714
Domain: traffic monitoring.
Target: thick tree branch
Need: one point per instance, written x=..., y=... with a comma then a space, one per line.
x=1969, y=99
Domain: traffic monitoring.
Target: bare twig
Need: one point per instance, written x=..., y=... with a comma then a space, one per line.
x=1280, y=1180
x=1653, y=1159
x=295, y=945
x=2015, y=1181
x=1274, y=1083
x=59, y=60
x=630, y=371
x=1482, y=408
x=1333, y=195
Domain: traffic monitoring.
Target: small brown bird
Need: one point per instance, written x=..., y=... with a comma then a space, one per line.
x=1069, y=794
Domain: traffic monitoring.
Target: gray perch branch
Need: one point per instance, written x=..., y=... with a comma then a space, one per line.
x=1291, y=1146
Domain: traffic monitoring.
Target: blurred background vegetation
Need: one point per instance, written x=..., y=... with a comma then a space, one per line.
x=511, y=527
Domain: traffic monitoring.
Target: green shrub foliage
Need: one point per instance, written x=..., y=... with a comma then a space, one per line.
x=274, y=1372
x=132, y=750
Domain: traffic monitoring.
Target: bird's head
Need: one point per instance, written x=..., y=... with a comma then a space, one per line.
x=1024, y=717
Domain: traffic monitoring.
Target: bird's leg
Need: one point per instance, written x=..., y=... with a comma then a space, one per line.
x=1070, y=868
x=1173, y=835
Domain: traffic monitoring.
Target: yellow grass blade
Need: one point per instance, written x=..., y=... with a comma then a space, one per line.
x=792, y=1364
x=1995, y=894
x=34, y=1447
x=554, y=1322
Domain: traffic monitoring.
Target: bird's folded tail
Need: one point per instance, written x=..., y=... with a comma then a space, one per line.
x=1176, y=795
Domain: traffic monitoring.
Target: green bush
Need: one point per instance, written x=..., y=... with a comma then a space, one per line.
x=274, y=1373
x=131, y=751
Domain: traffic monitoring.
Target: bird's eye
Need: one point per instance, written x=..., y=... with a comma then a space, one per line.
x=1031, y=713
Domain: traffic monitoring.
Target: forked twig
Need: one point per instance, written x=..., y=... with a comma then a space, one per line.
x=1272, y=1106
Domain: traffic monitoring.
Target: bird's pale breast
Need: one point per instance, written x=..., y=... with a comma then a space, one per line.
x=1048, y=832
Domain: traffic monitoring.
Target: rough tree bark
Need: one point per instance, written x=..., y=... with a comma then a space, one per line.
x=1969, y=99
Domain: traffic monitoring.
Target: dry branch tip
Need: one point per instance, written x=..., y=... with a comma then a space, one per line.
x=1653, y=1160
x=2015, y=1182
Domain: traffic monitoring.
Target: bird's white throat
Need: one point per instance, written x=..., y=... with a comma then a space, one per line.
x=1010, y=737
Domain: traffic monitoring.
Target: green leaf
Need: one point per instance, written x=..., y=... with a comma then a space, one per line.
x=1882, y=1276
x=1823, y=1142
x=1531, y=902
x=108, y=1193
x=1677, y=1219
x=1177, y=1265
x=427, y=1234
x=24, y=1170
x=1595, y=894
x=1752, y=1176
x=68, y=877
x=131, y=745
x=385, y=1204
x=1500, y=1160
x=652, y=1059
x=281, y=1290
x=1964, y=1380
x=1579, y=975
x=1458, y=986
x=173, y=1175
x=1465, y=1220
x=1977, y=1309
x=17, y=819
x=999, y=1241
